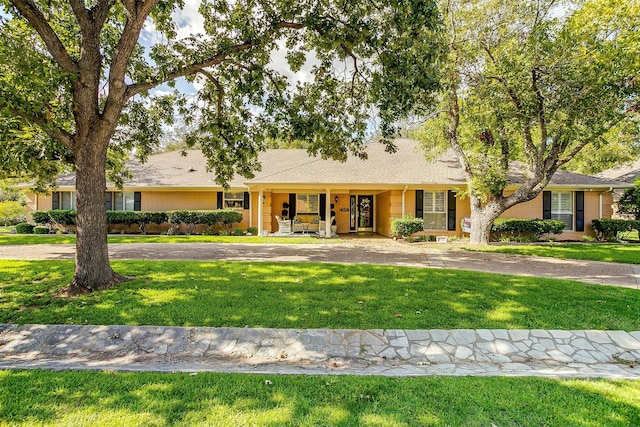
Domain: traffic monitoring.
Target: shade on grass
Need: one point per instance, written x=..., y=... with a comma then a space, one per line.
x=146, y=399
x=626, y=253
x=308, y=295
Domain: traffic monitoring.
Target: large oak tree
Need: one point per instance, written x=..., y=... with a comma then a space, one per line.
x=527, y=85
x=77, y=82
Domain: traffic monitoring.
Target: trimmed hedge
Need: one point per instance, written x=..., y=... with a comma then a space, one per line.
x=406, y=226
x=24, y=228
x=40, y=230
x=533, y=229
x=609, y=228
x=225, y=218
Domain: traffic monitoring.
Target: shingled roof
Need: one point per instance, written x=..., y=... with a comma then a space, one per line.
x=407, y=166
x=628, y=172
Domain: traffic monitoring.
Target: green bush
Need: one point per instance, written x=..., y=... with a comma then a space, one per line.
x=40, y=230
x=607, y=229
x=24, y=228
x=229, y=217
x=62, y=217
x=146, y=218
x=41, y=217
x=238, y=231
x=406, y=226
x=525, y=229
x=253, y=231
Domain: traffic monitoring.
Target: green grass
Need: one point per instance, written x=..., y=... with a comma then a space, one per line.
x=33, y=239
x=308, y=295
x=626, y=253
x=42, y=398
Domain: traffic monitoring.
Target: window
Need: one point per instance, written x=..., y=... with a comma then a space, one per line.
x=67, y=200
x=234, y=200
x=307, y=204
x=120, y=201
x=562, y=207
x=435, y=210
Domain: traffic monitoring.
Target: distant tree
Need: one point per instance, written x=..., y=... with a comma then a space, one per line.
x=629, y=203
x=12, y=212
x=525, y=81
x=76, y=83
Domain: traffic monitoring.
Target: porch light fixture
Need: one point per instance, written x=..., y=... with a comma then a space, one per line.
x=336, y=199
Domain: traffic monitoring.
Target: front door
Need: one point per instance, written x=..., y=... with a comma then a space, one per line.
x=365, y=213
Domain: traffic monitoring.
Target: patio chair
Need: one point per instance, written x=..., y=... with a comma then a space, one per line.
x=284, y=226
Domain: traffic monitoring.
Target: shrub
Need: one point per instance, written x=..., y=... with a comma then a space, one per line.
x=252, y=231
x=229, y=217
x=41, y=217
x=238, y=231
x=525, y=229
x=406, y=226
x=24, y=228
x=224, y=233
x=607, y=229
x=65, y=218
x=143, y=219
x=40, y=230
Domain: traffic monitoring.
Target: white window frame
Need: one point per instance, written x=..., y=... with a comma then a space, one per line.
x=233, y=200
x=557, y=211
x=429, y=194
x=307, y=201
x=127, y=200
x=72, y=200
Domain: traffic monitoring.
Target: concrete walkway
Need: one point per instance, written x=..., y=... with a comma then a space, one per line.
x=370, y=251
x=608, y=354
x=465, y=352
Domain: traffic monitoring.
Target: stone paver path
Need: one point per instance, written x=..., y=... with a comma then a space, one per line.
x=482, y=352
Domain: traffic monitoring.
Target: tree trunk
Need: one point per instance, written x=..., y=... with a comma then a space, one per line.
x=482, y=218
x=92, y=269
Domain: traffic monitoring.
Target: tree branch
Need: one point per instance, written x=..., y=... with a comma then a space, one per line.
x=54, y=132
x=216, y=82
x=541, y=112
x=216, y=59
x=29, y=10
x=82, y=15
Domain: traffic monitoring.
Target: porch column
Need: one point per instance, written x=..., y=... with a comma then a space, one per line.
x=250, y=211
x=327, y=216
x=260, y=219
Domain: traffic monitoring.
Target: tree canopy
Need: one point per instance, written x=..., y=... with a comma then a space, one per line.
x=84, y=83
x=533, y=82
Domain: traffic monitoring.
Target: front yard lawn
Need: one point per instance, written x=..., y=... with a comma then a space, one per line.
x=29, y=398
x=626, y=253
x=308, y=295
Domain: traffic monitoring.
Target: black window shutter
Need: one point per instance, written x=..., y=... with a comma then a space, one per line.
x=292, y=205
x=137, y=201
x=546, y=205
x=246, y=200
x=55, y=200
x=579, y=210
x=323, y=206
x=419, y=204
x=219, y=197
x=451, y=210
x=108, y=199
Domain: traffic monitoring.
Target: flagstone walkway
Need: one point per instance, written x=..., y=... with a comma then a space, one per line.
x=462, y=352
